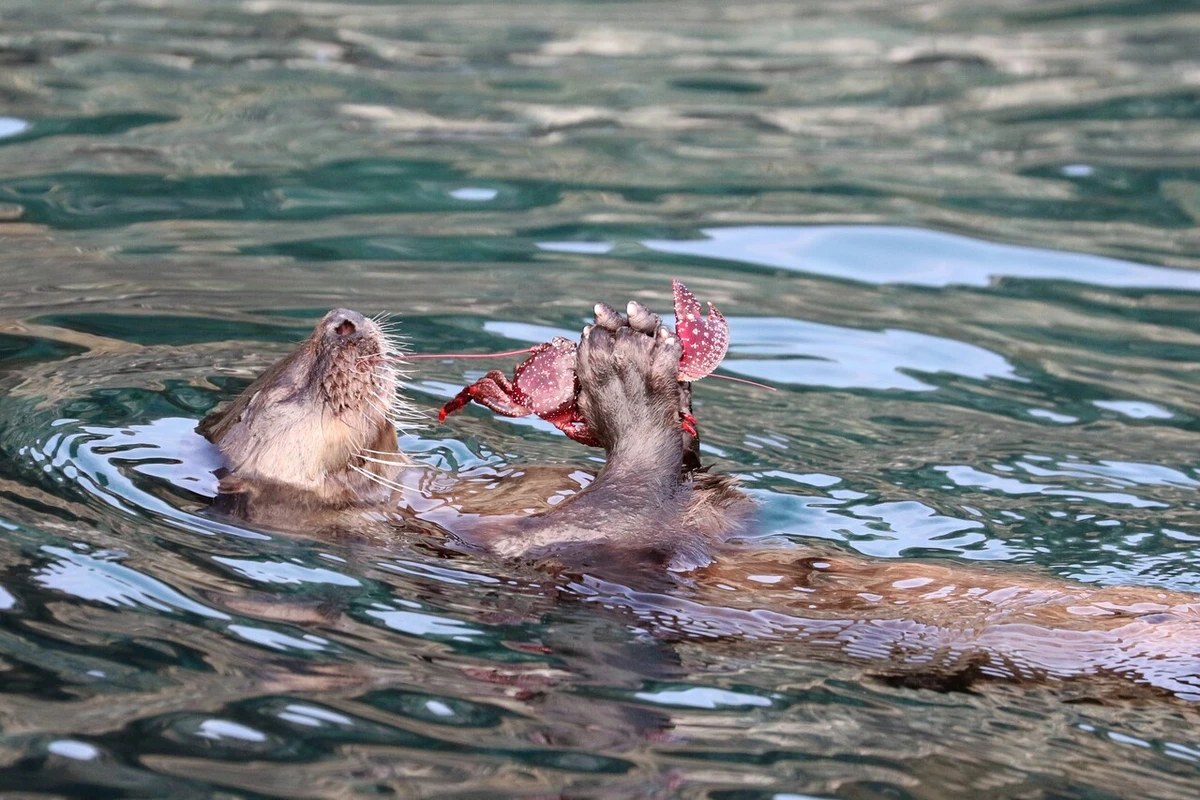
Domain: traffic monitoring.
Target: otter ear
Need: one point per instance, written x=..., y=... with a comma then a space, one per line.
x=213, y=426
x=218, y=423
x=269, y=388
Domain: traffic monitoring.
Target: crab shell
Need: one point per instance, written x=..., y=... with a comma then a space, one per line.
x=546, y=379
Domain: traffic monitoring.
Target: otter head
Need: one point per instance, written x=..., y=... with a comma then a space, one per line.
x=320, y=425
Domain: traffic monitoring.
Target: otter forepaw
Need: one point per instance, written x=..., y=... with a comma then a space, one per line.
x=629, y=390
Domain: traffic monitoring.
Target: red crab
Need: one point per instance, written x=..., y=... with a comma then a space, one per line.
x=545, y=383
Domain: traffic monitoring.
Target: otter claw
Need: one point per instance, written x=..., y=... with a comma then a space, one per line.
x=608, y=317
x=642, y=319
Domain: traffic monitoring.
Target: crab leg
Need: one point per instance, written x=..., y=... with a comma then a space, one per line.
x=492, y=391
x=578, y=430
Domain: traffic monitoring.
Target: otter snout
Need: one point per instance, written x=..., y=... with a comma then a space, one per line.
x=345, y=324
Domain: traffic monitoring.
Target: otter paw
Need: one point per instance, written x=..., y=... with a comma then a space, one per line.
x=627, y=367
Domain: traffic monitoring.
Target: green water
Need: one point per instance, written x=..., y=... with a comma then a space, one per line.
x=960, y=237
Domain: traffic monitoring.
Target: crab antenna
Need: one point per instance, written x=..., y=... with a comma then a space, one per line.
x=412, y=356
x=743, y=380
x=522, y=352
x=527, y=351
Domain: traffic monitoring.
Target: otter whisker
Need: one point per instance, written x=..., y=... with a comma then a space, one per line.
x=387, y=399
x=406, y=415
x=389, y=394
x=391, y=329
x=386, y=361
x=385, y=353
x=383, y=461
x=382, y=411
x=400, y=406
x=385, y=365
x=382, y=481
x=400, y=418
x=391, y=374
x=405, y=464
x=386, y=372
x=384, y=453
x=388, y=419
x=403, y=425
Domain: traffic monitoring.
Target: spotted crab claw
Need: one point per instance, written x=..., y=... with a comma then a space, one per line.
x=704, y=341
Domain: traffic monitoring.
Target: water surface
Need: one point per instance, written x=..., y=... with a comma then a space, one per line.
x=960, y=237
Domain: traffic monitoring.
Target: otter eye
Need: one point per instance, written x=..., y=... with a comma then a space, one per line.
x=345, y=328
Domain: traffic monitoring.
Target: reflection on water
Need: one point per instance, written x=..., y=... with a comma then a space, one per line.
x=843, y=358
x=958, y=236
x=10, y=126
x=916, y=257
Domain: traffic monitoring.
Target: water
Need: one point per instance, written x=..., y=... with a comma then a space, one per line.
x=960, y=237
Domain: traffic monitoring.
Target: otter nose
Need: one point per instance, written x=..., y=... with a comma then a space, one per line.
x=346, y=324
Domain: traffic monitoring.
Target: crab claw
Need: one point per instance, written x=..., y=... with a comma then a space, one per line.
x=457, y=403
x=704, y=341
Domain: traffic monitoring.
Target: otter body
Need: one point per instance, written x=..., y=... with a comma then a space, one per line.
x=652, y=530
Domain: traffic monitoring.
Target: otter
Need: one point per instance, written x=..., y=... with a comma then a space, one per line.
x=318, y=432
x=658, y=534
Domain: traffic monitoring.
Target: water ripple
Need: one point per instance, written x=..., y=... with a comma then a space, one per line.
x=959, y=236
